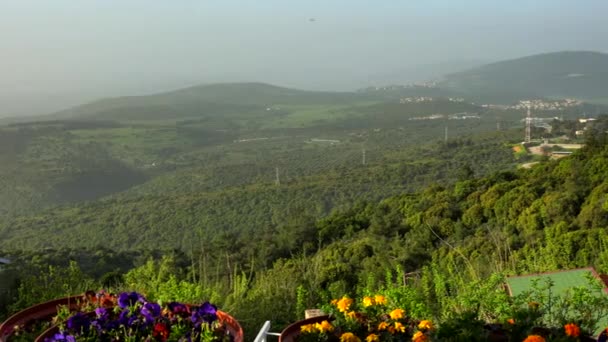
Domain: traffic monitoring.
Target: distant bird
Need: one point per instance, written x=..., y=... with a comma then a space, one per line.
x=312, y=20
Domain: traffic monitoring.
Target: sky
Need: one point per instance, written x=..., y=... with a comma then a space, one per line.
x=59, y=53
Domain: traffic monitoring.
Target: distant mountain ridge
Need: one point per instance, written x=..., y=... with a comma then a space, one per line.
x=214, y=99
x=581, y=74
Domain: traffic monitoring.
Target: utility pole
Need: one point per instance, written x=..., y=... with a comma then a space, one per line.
x=446, y=134
x=278, y=180
x=363, y=156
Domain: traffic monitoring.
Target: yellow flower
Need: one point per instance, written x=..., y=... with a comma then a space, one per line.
x=308, y=328
x=368, y=301
x=372, y=338
x=380, y=299
x=397, y=314
x=399, y=327
x=425, y=325
x=351, y=314
x=349, y=337
x=334, y=301
x=324, y=327
x=419, y=336
x=382, y=326
x=344, y=303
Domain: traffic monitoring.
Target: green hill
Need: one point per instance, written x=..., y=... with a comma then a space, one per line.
x=241, y=100
x=580, y=74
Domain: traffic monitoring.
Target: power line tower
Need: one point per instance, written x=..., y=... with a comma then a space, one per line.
x=528, y=137
x=446, y=134
x=363, y=156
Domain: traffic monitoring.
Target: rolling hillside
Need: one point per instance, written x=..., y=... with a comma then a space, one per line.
x=242, y=100
x=579, y=74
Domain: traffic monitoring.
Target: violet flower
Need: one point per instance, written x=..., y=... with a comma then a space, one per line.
x=61, y=337
x=126, y=300
x=79, y=323
x=150, y=311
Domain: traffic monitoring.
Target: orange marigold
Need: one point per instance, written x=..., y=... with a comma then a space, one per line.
x=368, y=301
x=419, y=336
x=511, y=321
x=308, y=328
x=382, y=326
x=324, y=327
x=399, y=327
x=380, y=299
x=534, y=338
x=344, y=303
x=397, y=314
x=351, y=314
x=372, y=338
x=349, y=337
x=425, y=325
x=572, y=330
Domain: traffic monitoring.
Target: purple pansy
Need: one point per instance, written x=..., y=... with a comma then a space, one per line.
x=79, y=323
x=101, y=313
x=150, y=311
x=61, y=337
x=205, y=313
x=126, y=299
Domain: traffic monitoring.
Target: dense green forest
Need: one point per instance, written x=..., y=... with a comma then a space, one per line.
x=430, y=245
x=269, y=200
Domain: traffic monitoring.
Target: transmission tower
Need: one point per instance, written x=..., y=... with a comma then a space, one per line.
x=446, y=134
x=528, y=126
x=363, y=156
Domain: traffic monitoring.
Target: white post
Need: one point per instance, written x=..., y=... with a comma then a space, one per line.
x=263, y=332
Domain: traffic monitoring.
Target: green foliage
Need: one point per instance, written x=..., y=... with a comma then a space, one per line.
x=41, y=283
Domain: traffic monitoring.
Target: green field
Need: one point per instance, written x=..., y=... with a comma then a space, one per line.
x=562, y=280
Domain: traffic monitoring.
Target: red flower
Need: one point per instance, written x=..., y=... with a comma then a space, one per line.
x=572, y=330
x=161, y=332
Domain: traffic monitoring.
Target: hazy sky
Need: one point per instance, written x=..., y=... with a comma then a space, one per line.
x=55, y=53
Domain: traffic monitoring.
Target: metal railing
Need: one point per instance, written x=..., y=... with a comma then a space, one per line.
x=264, y=332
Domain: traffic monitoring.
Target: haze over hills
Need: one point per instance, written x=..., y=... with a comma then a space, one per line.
x=201, y=100
x=580, y=74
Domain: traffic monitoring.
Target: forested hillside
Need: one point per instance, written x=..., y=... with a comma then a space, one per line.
x=272, y=209
x=441, y=239
x=59, y=162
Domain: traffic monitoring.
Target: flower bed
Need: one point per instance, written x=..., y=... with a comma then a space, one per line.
x=130, y=317
x=374, y=319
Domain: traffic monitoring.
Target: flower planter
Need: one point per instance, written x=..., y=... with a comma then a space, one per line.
x=40, y=312
x=48, y=310
x=291, y=332
x=233, y=326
